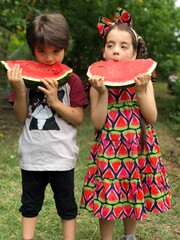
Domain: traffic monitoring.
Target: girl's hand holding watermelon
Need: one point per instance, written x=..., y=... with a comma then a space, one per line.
x=141, y=82
x=98, y=83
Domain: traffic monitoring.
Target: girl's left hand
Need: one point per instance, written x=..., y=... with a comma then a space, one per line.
x=141, y=82
x=50, y=91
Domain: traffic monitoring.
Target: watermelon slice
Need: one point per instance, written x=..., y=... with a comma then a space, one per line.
x=121, y=73
x=33, y=71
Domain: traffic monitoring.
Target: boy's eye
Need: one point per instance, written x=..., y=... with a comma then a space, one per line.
x=57, y=50
x=40, y=50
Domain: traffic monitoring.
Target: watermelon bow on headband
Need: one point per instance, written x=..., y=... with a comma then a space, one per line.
x=120, y=16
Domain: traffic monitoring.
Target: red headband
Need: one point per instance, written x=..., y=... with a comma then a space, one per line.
x=120, y=16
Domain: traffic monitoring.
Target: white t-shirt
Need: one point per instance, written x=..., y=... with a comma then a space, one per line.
x=48, y=142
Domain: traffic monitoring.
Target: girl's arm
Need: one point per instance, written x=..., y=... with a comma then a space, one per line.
x=99, y=101
x=145, y=96
x=20, y=101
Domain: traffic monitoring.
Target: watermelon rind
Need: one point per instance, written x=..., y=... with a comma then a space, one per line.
x=31, y=82
x=128, y=82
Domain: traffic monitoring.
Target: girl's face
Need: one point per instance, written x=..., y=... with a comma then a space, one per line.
x=48, y=54
x=119, y=46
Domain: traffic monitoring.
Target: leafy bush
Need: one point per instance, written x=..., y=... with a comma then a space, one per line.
x=175, y=115
x=176, y=89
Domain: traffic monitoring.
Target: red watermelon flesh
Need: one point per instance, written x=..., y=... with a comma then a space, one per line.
x=33, y=71
x=121, y=73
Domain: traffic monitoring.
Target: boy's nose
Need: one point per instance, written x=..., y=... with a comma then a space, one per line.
x=49, y=59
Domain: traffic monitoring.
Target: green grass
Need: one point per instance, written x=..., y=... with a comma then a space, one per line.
x=156, y=227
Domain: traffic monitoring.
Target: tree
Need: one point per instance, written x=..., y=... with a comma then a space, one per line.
x=157, y=21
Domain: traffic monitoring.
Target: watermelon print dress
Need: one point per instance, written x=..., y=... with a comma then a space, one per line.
x=121, y=180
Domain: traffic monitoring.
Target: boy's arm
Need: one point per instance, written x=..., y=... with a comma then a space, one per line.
x=20, y=102
x=20, y=106
x=73, y=115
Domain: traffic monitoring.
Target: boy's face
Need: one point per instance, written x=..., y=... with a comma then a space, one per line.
x=48, y=54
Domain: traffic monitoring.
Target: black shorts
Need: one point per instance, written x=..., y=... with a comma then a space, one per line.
x=34, y=184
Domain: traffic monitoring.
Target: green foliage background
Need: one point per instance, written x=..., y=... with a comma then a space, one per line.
x=158, y=22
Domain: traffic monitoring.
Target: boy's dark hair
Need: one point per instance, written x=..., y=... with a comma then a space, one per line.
x=51, y=29
x=137, y=42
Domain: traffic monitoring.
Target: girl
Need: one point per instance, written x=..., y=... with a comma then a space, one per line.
x=47, y=146
x=125, y=177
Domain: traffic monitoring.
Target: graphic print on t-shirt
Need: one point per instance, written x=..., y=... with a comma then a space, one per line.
x=42, y=115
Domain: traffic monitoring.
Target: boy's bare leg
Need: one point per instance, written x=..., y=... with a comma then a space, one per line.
x=28, y=227
x=69, y=229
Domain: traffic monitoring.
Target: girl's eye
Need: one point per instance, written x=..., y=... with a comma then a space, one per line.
x=109, y=46
x=124, y=47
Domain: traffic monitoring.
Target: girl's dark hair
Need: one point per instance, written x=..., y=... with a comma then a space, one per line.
x=137, y=42
x=140, y=47
x=51, y=29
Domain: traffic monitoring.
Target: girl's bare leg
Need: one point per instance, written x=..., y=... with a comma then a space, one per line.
x=106, y=229
x=129, y=226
